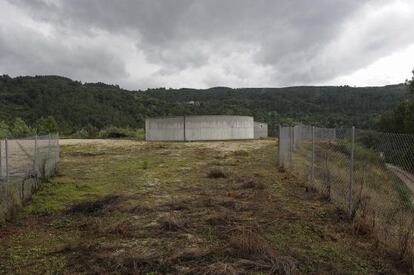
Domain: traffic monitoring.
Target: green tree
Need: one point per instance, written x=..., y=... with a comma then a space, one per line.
x=47, y=125
x=20, y=128
x=4, y=130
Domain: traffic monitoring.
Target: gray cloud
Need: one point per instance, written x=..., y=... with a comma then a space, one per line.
x=205, y=42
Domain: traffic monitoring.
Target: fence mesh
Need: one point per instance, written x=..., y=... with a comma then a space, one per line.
x=24, y=162
x=29, y=157
x=369, y=175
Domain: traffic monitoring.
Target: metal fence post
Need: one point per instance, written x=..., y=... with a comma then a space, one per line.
x=35, y=154
x=290, y=144
x=313, y=156
x=48, y=146
x=184, y=128
x=1, y=159
x=279, y=160
x=6, y=145
x=58, y=147
x=351, y=172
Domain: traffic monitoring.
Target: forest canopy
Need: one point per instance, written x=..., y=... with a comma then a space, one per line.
x=46, y=103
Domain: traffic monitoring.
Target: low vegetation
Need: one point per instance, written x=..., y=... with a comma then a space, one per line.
x=381, y=203
x=149, y=208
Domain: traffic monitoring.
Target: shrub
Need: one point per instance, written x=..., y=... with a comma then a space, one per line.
x=4, y=130
x=82, y=133
x=20, y=128
x=117, y=132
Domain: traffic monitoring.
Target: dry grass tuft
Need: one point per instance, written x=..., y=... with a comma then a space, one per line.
x=220, y=218
x=248, y=244
x=241, y=153
x=252, y=184
x=192, y=253
x=124, y=228
x=218, y=268
x=172, y=222
x=89, y=207
x=216, y=173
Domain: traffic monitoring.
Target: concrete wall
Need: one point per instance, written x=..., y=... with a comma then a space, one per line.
x=219, y=127
x=199, y=128
x=169, y=128
x=260, y=130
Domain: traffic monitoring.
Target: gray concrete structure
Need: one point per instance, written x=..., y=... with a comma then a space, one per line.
x=192, y=128
x=167, y=128
x=260, y=130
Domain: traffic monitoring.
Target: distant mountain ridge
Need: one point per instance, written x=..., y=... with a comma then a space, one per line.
x=76, y=105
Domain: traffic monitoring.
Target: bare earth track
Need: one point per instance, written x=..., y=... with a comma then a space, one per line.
x=133, y=207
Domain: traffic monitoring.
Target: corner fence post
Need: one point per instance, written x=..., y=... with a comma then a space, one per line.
x=351, y=172
x=6, y=145
x=313, y=156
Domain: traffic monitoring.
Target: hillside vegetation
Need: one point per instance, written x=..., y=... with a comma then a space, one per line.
x=93, y=106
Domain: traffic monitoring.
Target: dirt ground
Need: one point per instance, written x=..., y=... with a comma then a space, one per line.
x=133, y=207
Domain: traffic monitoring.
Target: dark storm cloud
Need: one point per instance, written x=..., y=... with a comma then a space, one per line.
x=189, y=42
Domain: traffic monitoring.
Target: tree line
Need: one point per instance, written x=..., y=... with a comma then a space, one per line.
x=400, y=119
x=86, y=109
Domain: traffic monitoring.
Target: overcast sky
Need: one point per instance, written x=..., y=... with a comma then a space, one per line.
x=141, y=44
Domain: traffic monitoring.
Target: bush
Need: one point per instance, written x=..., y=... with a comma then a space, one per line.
x=117, y=132
x=82, y=133
x=47, y=125
x=20, y=128
x=4, y=130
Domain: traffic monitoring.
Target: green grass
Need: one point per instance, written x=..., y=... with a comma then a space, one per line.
x=46, y=238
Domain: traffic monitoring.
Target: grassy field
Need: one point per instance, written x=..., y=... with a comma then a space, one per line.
x=182, y=208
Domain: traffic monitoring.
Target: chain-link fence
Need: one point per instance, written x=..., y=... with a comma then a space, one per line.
x=368, y=174
x=24, y=162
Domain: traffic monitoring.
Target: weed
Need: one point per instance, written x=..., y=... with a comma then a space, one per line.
x=145, y=165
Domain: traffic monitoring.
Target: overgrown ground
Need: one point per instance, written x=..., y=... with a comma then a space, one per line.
x=177, y=208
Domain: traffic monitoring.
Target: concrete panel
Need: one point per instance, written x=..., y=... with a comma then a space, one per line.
x=219, y=127
x=260, y=130
x=164, y=129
